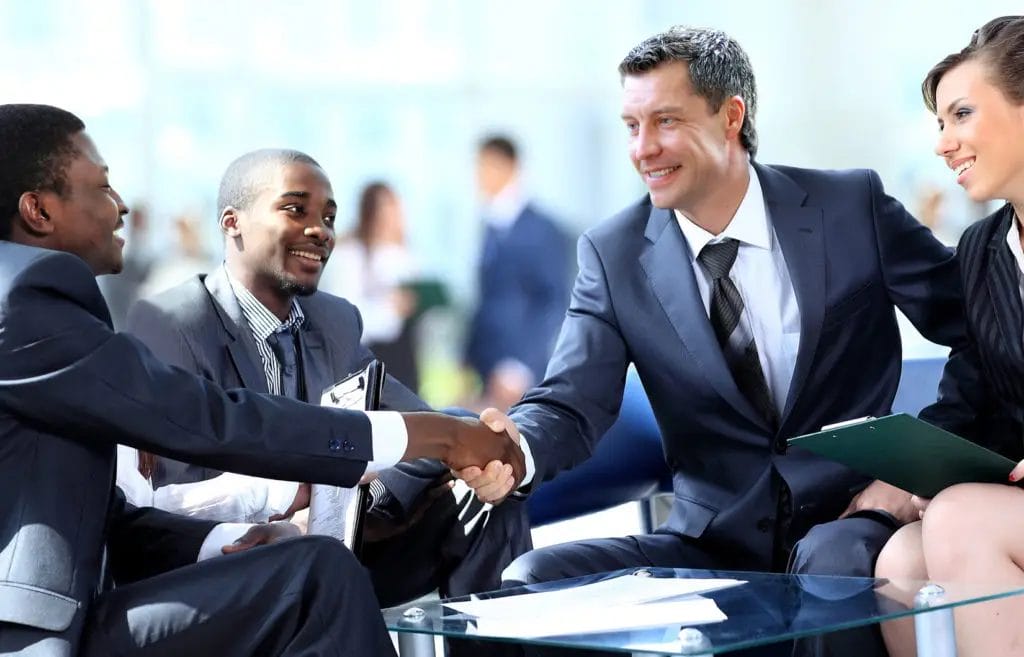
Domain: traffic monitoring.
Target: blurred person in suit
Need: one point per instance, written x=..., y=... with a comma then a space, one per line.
x=970, y=532
x=71, y=389
x=369, y=268
x=522, y=280
x=227, y=327
x=756, y=303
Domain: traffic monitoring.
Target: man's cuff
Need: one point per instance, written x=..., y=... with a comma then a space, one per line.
x=389, y=438
x=221, y=535
x=524, y=445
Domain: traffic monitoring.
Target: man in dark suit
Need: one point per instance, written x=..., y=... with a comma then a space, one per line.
x=220, y=326
x=522, y=280
x=71, y=388
x=756, y=303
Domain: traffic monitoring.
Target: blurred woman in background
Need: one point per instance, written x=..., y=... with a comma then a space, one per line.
x=369, y=268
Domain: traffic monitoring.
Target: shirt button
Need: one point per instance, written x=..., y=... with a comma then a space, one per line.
x=334, y=444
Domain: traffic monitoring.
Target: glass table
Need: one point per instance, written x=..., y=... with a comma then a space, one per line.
x=768, y=608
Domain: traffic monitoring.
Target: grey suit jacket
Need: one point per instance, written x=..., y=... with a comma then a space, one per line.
x=199, y=326
x=70, y=390
x=854, y=254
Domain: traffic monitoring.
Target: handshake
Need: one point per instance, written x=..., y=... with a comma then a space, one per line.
x=484, y=453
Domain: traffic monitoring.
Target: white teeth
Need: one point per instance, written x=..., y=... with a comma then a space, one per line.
x=964, y=166
x=307, y=255
x=661, y=172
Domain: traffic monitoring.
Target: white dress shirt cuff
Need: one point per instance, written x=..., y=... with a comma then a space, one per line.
x=390, y=439
x=524, y=445
x=221, y=535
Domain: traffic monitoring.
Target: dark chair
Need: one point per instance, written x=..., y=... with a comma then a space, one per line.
x=628, y=464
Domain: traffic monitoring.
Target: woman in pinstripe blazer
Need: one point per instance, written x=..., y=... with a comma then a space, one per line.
x=971, y=532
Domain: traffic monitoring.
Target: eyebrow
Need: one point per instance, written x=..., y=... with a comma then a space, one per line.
x=671, y=109
x=949, y=108
x=305, y=195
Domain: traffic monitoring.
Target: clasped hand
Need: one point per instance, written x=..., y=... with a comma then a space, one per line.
x=493, y=482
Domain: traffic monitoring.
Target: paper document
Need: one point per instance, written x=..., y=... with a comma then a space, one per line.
x=617, y=592
x=334, y=511
x=692, y=610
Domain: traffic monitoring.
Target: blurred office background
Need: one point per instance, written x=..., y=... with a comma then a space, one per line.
x=402, y=90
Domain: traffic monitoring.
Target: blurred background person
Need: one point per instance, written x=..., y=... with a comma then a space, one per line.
x=523, y=284
x=185, y=256
x=372, y=268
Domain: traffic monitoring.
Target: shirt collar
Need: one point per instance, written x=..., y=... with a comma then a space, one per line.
x=1013, y=241
x=749, y=225
x=504, y=208
x=262, y=322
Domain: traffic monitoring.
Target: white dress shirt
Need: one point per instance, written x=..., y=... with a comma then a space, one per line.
x=762, y=278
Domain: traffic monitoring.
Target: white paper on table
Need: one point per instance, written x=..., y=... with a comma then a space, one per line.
x=617, y=591
x=693, y=610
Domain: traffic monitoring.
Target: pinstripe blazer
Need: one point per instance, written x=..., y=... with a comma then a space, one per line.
x=981, y=395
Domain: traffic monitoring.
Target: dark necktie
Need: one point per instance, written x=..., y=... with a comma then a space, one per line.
x=282, y=342
x=734, y=335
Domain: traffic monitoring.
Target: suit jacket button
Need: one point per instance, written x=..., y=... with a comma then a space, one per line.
x=334, y=444
x=764, y=524
x=780, y=445
x=348, y=446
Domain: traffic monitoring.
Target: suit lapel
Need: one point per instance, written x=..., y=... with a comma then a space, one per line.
x=801, y=236
x=1004, y=288
x=238, y=340
x=667, y=262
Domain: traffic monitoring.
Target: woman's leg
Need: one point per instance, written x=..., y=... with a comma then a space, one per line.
x=902, y=558
x=973, y=533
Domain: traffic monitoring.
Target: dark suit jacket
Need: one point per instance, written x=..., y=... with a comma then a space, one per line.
x=981, y=395
x=70, y=389
x=853, y=254
x=199, y=326
x=523, y=288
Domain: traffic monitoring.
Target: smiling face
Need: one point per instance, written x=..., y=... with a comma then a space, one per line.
x=981, y=133
x=278, y=246
x=680, y=147
x=86, y=216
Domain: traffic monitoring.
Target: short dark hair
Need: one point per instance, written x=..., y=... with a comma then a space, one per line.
x=35, y=151
x=719, y=69
x=501, y=144
x=998, y=43
x=246, y=176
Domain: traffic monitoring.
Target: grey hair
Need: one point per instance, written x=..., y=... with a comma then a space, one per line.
x=719, y=69
x=247, y=176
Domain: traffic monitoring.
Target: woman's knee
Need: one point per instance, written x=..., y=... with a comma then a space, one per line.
x=903, y=556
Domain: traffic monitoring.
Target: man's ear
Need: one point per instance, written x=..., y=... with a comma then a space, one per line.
x=735, y=110
x=229, y=222
x=33, y=215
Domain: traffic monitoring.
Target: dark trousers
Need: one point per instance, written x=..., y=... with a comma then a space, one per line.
x=307, y=596
x=848, y=548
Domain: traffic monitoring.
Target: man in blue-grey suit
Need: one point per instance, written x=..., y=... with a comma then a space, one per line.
x=756, y=303
x=522, y=280
x=222, y=327
x=83, y=573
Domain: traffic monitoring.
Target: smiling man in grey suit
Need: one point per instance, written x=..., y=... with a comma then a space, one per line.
x=71, y=388
x=223, y=326
x=756, y=303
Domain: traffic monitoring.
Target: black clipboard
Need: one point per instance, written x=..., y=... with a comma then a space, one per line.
x=374, y=390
